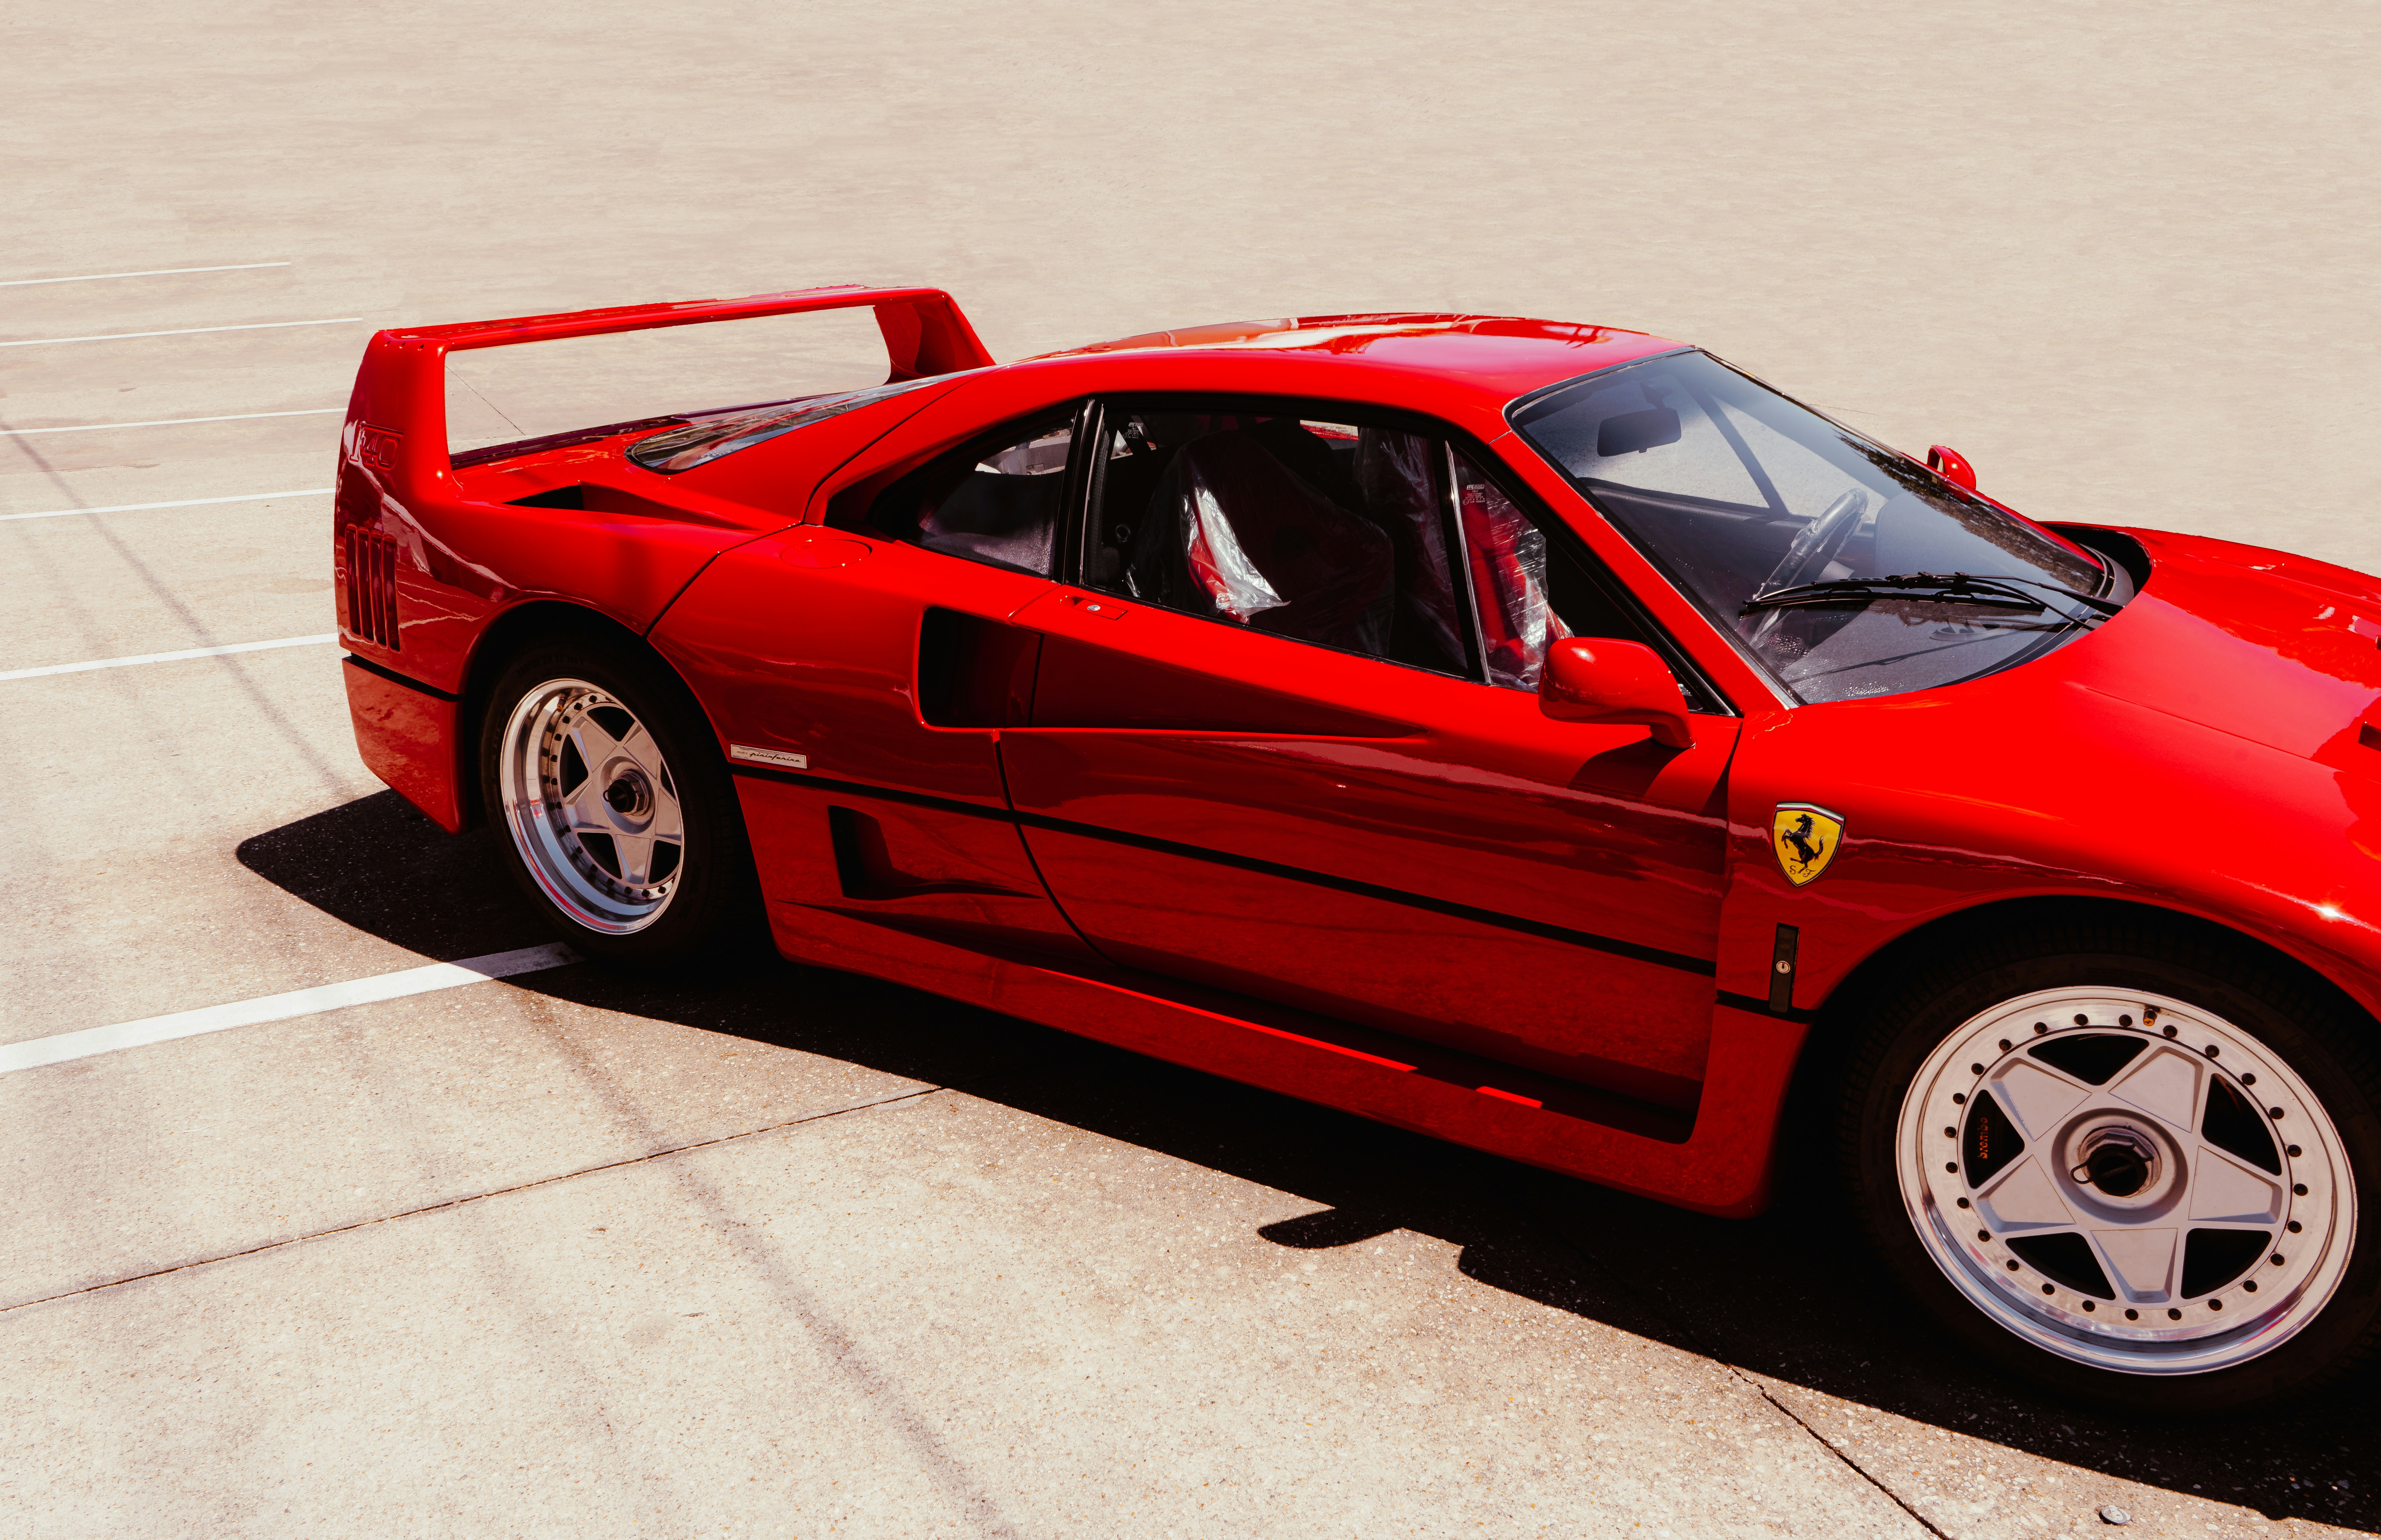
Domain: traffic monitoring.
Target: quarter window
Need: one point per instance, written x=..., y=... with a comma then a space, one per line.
x=999, y=503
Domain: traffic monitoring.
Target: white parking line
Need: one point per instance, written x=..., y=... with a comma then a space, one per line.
x=171, y=657
x=163, y=422
x=144, y=273
x=185, y=503
x=182, y=331
x=280, y=1007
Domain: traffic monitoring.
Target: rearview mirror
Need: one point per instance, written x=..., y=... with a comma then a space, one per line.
x=1616, y=683
x=1951, y=465
x=1634, y=431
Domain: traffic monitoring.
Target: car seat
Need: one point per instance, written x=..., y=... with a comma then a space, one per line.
x=1233, y=532
x=1405, y=496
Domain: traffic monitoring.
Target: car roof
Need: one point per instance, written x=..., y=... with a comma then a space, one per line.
x=1491, y=358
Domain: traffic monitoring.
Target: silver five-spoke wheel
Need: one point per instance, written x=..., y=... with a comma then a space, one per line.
x=590, y=806
x=2126, y=1180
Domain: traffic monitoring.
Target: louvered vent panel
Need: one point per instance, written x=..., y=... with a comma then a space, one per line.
x=371, y=586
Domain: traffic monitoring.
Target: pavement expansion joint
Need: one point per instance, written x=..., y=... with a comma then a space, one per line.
x=1832, y=1447
x=482, y=1197
x=1835, y=1447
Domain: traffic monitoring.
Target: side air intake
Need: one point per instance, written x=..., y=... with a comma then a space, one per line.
x=371, y=586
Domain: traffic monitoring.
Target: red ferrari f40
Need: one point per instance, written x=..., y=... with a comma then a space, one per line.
x=1545, y=735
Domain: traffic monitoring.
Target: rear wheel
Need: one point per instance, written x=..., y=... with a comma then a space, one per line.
x=620, y=821
x=2127, y=1165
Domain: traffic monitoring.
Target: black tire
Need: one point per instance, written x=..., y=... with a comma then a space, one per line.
x=712, y=906
x=2291, y=1014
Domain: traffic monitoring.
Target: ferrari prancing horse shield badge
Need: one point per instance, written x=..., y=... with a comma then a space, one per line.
x=1805, y=838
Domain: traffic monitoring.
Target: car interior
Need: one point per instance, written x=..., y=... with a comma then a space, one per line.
x=1332, y=533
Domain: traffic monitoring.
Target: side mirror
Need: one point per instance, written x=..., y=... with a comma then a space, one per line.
x=1614, y=682
x=1951, y=465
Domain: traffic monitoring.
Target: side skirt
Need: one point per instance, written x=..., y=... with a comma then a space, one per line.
x=1717, y=1162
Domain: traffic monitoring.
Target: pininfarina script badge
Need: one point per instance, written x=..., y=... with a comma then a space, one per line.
x=1805, y=837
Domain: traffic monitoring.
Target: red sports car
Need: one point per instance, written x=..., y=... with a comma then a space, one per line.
x=1545, y=735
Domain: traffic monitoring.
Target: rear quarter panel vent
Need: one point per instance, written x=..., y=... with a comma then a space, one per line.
x=372, y=587
x=370, y=560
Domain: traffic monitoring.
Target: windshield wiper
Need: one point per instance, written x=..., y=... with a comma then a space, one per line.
x=2106, y=606
x=1933, y=588
x=1955, y=588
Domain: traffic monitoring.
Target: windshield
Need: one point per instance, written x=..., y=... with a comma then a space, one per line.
x=1744, y=499
x=708, y=435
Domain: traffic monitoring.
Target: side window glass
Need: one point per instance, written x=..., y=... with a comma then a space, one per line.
x=1531, y=591
x=1329, y=532
x=1000, y=505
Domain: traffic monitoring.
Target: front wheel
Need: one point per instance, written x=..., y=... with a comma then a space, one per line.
x=619, y=820
x=2126, y=1166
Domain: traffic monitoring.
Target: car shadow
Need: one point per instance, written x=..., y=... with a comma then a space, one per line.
x=1792, y=1295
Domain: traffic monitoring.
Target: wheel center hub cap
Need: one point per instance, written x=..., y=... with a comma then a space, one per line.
x=629, y=793
x=2118, y=1161
x=2117, y=1164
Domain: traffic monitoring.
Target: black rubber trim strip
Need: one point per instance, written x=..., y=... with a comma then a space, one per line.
x=1702, y=967
x=1529, y=398
x=393, y=677
x=1760, y=1007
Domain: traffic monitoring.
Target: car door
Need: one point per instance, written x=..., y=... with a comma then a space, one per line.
x=859, y=673
x=1276, y=747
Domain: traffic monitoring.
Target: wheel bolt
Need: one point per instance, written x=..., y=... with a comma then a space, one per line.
x=2132, y=1316
x=2278, y=1259
x=2050, y=1288
x=2210, y=1050
x=2005, y=1045
x=2174, y=1315
x=2294, y=1152
x=2299, y=1188
x=2275, y=1113
x=2248, y=1079
x=1976, y=1068
x=2169, y=1030
x=2087, y=1304
x=2124, y=1021
x=1959, y=1098
x=1963, y=1203
x=2080, y=1020
x=1952, y=1166
x=2251, y=1286
x=1984, y=1235
x=2216, y=1304
x=2012, y=1266
x=2294, y=1226
x=1950, y=1134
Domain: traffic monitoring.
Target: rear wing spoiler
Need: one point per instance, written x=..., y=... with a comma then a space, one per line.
x=397, y=417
